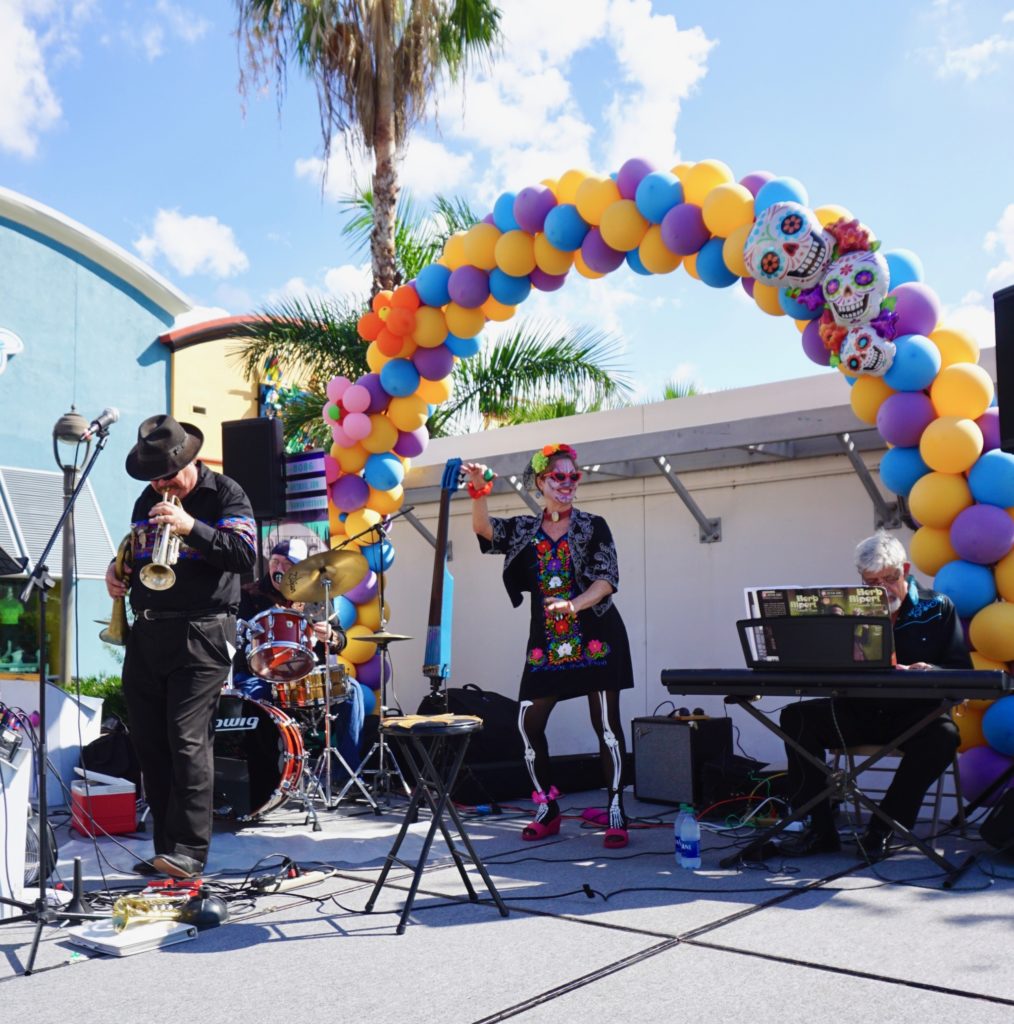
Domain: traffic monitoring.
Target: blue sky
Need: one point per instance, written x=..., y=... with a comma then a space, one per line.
x=126, y=116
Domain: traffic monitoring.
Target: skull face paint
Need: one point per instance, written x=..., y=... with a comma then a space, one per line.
x=787, y=247
x=865, y=353
x=854, y=287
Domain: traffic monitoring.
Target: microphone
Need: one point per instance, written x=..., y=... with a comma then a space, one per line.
x=106, y=418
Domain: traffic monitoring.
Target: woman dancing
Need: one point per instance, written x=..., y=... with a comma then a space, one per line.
x=577, y=643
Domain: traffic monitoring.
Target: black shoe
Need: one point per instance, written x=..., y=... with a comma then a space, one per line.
x=144, y=867
x=178, y=865
x=874, y=844
x=809, y=842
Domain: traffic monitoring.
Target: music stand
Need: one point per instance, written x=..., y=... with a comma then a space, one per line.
x=39, y=580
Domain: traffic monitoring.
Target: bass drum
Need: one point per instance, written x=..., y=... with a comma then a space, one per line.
x=258, y=757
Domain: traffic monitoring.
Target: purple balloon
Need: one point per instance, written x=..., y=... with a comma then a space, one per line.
x=630, y=175
x=753, y=182
x=379, y=398
x=917, y=307
x=368, y=673
x=411, y=443
x=468, y=286
x=903, y=417
x=747, y=283
x=982, y=534
x=813, y=343
x=978, y=768
x=601, y=258
x=433, y=363
x=350, y=493
x=364, y=590
x=546, y=282
x=683, y=230
x=989, y=424
x=488, y=219
x=531, y=206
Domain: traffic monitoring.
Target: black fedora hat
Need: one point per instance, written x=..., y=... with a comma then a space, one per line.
x=163, y=448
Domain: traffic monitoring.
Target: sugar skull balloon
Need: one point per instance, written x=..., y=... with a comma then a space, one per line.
x=854, y=287
x=787, y=247
x=866, y=353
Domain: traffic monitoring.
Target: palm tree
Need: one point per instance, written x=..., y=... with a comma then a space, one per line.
x=374, y=64
x=678, y=388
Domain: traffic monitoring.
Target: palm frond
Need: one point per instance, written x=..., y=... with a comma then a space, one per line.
x=679, y=388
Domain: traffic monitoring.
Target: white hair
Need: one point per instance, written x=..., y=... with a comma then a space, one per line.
x=881, y=551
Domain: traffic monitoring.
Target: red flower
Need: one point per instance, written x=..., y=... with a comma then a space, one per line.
x=561, y=626
x=542, y=547
x=594, y=646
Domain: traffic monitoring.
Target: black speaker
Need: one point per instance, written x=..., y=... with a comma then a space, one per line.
x=997, y=827
x=252, y=454
x=1003, y=314
x=669, y=755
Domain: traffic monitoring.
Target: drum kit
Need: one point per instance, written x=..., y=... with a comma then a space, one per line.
x=266, y=754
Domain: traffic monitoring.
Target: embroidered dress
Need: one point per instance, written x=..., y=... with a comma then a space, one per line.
x=569, y=656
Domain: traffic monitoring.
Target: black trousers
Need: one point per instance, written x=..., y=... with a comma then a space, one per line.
x=173, y=674
x=820, y=724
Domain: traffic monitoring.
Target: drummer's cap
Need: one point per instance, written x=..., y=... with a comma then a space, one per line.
x=293, y=549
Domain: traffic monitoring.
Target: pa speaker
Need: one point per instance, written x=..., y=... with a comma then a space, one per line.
x=252, y=454
x=669, y=755
x=1003, y=313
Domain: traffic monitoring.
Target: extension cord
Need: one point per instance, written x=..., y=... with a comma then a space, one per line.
x=307, y=878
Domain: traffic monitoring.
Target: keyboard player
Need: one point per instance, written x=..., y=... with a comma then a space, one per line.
x=927, y=635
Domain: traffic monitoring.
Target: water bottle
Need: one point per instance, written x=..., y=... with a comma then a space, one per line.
x=677, y=842
x=690, y=842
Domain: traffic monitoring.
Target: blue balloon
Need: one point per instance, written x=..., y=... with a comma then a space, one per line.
x=462, y=347
x=369, y=699
x=991, y=479
x=998, y=726
x=657, y=194
x=347, y=613
x=900, y=468
x=565, y=228
x=779, y=190
x=399, y=378
x=384, y=472
x=904, y=267
x=971, y=587
x=379, y=556
x=711, y=268
x=796, y=309
x=503, y=212
x=916, y=363
x=635, y=264
x=507, y=289
x=431, y=284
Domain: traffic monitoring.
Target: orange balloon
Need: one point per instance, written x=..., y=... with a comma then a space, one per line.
x=381, y=301
x=405, y=297
x=369, y=326
x=400, y=321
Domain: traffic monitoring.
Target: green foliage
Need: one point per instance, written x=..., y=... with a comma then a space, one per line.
x=109, y=688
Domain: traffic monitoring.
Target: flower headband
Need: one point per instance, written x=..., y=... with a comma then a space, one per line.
x=540, y=460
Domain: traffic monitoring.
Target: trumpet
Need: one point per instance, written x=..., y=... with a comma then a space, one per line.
x=164, y=553
x=116, y=632
x=143, y=909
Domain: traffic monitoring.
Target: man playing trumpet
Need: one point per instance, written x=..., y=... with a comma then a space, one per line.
x=180, y=647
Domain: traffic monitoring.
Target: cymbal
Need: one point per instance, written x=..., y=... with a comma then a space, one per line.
x=383, y=637
x=305, y=581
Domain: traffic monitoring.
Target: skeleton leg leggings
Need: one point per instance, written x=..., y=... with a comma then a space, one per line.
x=604, y=708
x=532, y=719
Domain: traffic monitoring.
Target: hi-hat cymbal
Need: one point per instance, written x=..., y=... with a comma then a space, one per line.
x=305, y=581
x=383, y=637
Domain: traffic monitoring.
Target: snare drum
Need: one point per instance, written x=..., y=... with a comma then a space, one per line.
x=281, y=645
x=258, y=757
x=310, y=691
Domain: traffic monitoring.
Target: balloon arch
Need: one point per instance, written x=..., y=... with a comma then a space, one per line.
x=859, y=307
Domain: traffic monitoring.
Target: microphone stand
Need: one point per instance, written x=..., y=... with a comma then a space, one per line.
x=39, y=580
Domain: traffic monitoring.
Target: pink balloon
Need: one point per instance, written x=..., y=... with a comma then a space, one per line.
x=327, y=413
x=356, y=398
x=336, y=388
x=340, y=437
x=331, y=468
x=357, y=425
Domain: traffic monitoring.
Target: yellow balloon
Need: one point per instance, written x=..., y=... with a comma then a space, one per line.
x=375, y=359
x=955, y=346
x=766, y=297
x=983, y=664
x=868, y=394
x=350, y=669
x=430, y=327
x=553, y=185
x=335, y=525
x=383, y=435
x=407, y=413
x=962, y=389
x=930, y=549
x=551, y=260
x=569, y=183
x=992, y=631
x=368, y=614
x=357, y=651
x=360, y=520
x=801, y=326
x=936, y=498
x=594, y=196
x=583, y=269
x=951, y=444
x=681, y=170
x=969, y=723
x=386, y=502
x=830, y=213
x=408, y=346
x=1003, y=574
x=515, y=253
x=465, y=323
x=732, y=250
x=454, y=251
x=497, y=311
x=690, y=266
x=622, y=226
x=435, y=391
x=702, y=178
x=480, y=245
x=728, y=207
x=351, y=459
x=654, y=254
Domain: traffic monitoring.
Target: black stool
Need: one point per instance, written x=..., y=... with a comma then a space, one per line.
x=434, y=748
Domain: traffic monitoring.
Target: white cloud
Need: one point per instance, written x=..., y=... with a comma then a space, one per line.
x=163, y=21
x=1001, y=240
x=971, y=62
x=193, y=245
x=972, y=316
x=346, y=284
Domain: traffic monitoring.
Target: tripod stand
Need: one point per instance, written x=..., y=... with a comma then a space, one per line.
x=41, y=582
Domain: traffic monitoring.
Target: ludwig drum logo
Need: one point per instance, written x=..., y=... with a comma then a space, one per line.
x=10, y=345
x=240, y=724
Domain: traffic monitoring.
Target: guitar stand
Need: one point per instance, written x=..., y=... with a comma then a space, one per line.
x=842, y=786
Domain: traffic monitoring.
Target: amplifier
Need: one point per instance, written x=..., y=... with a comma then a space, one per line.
x=669, y=754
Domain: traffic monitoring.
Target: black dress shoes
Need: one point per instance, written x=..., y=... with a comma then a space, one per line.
x=177, y=865
x=875, y=844
x=144, y=867
x=808, y=843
